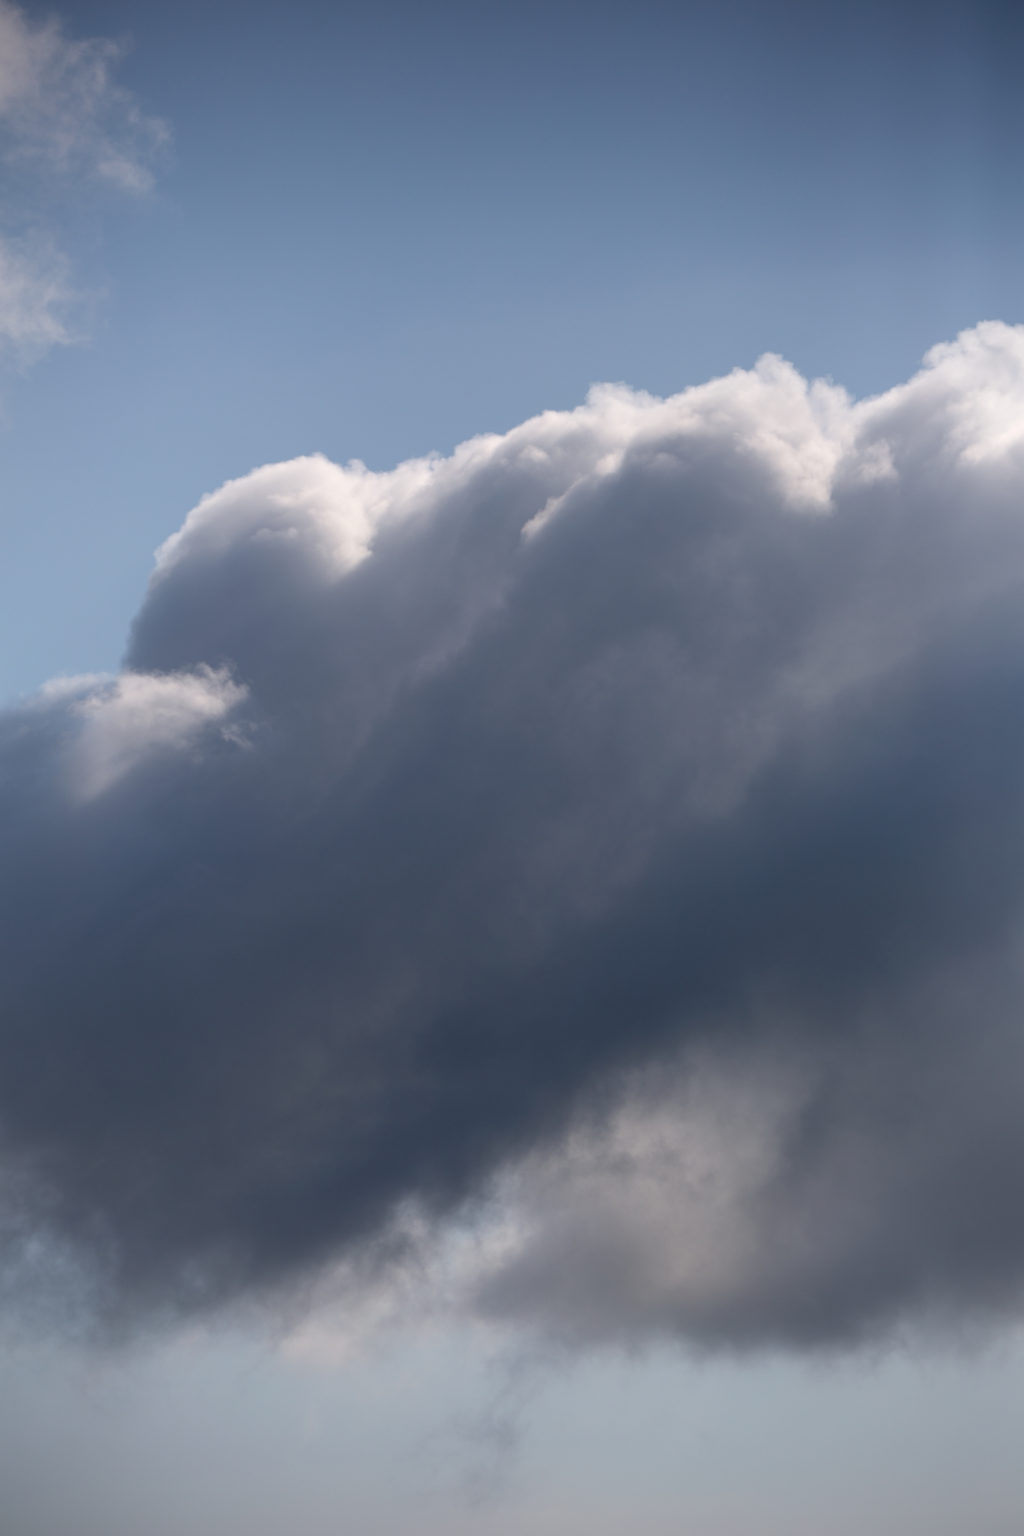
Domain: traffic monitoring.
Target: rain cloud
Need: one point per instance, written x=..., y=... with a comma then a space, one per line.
x=606, y=842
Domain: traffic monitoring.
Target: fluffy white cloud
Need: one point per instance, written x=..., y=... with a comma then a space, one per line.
x=579, y=881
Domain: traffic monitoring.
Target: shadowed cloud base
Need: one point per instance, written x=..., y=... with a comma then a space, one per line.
x=604, y=844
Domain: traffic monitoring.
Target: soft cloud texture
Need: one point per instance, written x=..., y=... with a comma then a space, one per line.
x=579, y=879
x=60, y=104
x=62, y=115
x=35, y=298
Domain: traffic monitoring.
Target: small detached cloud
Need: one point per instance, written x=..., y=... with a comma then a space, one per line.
x=62, y=115
x=576, y=884
x=36, y=298
x=61, y=107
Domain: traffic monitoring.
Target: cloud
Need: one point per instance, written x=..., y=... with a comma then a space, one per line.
x=581, y=877
x=35, y=299
x=61, y=106
x=62, y=116
x=137, y=714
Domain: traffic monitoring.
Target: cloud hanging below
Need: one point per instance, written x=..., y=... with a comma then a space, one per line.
x=63, y=118
x=579, y=881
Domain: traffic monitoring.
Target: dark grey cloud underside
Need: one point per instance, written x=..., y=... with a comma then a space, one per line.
x=408, y=918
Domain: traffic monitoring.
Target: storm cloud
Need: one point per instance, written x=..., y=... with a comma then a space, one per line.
x=618, y=824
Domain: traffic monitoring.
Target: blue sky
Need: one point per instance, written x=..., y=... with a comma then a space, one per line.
x=378, y=231
x=374, y=233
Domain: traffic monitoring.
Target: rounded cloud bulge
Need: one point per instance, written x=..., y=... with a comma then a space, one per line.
x=605, y=842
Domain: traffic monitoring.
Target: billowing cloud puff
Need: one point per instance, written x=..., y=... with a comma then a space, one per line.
x=607, y=841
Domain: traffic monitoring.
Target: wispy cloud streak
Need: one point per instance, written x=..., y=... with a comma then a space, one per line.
x=62, y=115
